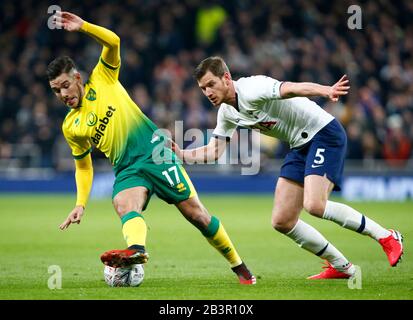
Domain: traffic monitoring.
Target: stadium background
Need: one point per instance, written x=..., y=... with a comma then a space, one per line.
x=162, y=42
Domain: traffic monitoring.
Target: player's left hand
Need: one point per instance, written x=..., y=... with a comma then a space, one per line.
x=175, y=148
x=68, y=21
x=340, y=88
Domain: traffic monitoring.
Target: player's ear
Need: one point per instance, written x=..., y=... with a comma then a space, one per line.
x=77, y=76
x=227, y=77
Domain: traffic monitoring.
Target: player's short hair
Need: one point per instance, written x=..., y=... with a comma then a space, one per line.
x=63, y=64
x=216, y=65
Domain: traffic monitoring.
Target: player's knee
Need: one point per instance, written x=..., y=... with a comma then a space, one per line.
x=281, y=224
x=123, y=207
x=315, y=207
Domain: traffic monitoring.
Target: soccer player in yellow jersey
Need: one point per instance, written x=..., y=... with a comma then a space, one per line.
x=102, y=115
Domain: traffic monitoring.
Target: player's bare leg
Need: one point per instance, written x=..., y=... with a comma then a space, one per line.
x=316, y=192
x=193, y=210
x=288, y=203
x=128, y=205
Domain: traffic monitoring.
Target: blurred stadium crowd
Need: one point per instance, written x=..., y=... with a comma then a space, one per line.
x=163, y=41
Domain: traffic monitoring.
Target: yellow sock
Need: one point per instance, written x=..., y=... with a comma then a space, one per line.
x=219, y=239
x=134, y=229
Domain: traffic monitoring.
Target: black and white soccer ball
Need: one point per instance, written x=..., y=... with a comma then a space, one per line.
x=124, y=277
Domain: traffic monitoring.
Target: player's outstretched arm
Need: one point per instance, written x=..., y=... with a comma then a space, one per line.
x=108, y=39
x=84, y=179
x=309, y=89
x=211, y=152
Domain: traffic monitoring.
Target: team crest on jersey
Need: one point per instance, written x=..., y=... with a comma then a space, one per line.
x=91, y=119
x=91, y=95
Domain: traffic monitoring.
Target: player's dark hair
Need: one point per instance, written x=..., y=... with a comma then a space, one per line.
x=216, y=65
x=58, y=66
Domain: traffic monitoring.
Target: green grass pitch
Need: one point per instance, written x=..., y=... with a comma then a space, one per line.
x=182, y=265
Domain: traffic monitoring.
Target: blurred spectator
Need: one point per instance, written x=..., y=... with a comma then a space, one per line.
x=396, y=147
x=163, y=40
x=209, y=18
x=354, y=142
x=141, y=96
x=371, y=149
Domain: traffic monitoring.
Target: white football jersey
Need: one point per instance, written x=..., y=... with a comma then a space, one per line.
x=294, y=120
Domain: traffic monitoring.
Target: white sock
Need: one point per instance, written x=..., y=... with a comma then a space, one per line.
x=351, y=219
x=311, y=240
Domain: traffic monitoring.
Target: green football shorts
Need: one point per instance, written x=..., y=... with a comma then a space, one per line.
x=169, y=182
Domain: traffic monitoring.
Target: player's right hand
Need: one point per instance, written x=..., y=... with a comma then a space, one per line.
x=74, y=217
x=68, y=21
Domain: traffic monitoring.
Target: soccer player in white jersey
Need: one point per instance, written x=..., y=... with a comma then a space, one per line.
x=312, y=168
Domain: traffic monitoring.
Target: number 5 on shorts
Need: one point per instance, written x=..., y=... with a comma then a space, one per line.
x=319, y=158
x=168, y=177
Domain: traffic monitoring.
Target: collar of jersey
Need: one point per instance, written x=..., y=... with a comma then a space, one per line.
x=236, y=96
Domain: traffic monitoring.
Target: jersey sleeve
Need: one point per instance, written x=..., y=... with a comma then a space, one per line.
x=105, y=72
x=260, y=88
x=80, y=148
x=108, y=66
x=224, y=129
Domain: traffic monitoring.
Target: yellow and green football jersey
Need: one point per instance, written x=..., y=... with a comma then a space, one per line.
x=108, y=119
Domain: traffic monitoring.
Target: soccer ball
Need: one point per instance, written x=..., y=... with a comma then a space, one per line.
x=124, y=277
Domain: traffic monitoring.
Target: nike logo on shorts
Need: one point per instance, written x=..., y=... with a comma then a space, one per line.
x=316, y=166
